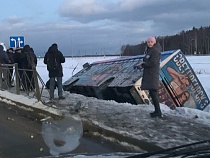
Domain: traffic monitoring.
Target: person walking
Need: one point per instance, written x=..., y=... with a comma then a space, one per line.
x=53, y=59
x=151, y=68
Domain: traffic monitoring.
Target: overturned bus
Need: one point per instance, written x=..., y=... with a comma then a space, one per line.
x=117, y=80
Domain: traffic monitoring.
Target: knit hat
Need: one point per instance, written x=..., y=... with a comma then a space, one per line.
x=151, y=39
x=11, y=49
x=18, y=49
x=54, y=45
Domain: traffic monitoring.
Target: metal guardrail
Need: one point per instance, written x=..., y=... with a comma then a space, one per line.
x=21, y=81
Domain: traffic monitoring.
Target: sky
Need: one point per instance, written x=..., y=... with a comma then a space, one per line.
x=181, y=126
x=81, y=27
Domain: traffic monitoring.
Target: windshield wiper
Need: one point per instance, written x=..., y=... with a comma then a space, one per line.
x=198, y=149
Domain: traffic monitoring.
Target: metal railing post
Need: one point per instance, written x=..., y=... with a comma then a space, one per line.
x=17, y=79
x=37, y=90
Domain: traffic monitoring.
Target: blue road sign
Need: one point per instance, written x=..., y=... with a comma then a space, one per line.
x=16, y=41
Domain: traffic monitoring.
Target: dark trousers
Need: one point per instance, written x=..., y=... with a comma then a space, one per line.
x=28, y=80
x=154, y=95
x=10, y=76
x=52, y=86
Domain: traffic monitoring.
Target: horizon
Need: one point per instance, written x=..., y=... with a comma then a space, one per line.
x=96, y=26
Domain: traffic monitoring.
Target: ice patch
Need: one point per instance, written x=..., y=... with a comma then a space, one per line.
x=63, y=135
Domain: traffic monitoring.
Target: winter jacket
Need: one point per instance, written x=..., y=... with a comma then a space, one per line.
x=28, y=58
x=151, y=67
x=54, y=53
x=17, y=59
x=11, y=57
x=4, y=59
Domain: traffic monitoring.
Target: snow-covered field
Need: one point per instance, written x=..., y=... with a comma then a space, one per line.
x=70, y=67
x=200, y=64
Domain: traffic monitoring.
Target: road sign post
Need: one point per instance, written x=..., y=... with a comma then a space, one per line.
x=16, y=41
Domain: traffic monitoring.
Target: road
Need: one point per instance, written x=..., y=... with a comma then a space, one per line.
x=21, y=137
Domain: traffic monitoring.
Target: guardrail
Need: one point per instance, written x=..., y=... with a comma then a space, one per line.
x=19, y=81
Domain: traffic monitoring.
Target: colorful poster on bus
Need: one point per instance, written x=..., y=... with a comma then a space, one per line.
x=182, y=82
x=165, y=97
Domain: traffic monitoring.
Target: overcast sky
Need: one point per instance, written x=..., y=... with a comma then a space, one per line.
x=97, y=26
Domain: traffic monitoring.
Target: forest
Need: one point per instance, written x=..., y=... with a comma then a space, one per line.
x=190, y=42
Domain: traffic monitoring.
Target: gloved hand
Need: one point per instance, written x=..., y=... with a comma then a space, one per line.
x=137, y=67
x=142, y=65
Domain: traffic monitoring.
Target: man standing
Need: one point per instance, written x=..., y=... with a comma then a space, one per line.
x=53, y=58
x=10, y=54
x=29, y=61
x=4, y=59
x=18, y=61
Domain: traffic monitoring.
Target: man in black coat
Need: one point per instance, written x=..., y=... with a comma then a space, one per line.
x=4, y=59
x=18, y=61
x=29, y=61
x=53, y=58
x=150, y=80
x=10, y=53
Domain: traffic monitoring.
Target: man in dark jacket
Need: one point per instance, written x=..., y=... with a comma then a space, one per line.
x=53, y=58
x=4, y=59
x=29, y=61
x=150, y=80
x=10, y=54
x=18, y=61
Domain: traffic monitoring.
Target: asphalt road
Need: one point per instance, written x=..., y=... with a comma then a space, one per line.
x=20, y=137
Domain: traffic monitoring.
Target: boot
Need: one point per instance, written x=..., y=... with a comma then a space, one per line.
x=156, y=114
x=61, y=97
x=152, y=113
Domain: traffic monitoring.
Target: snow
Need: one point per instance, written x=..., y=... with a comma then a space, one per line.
x=69, y=66
x=176, y=128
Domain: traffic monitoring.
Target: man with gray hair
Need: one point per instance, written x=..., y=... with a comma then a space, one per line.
x=4, y=59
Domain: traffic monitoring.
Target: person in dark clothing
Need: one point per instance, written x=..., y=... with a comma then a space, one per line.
x=53, y=59
x=17, y=57
x=32, y=57
x=17, y=60
x=48, y=84
x=4, y=59
x=10, y=53
x=151, y=68
x=29, y=61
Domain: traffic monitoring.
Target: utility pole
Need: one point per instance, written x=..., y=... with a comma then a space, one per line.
x=163, y=44
x=207, y=44
x=196, y=43
x=192, y=46
x=71, y=34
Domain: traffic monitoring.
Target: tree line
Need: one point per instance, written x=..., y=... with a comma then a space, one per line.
x=192, y=42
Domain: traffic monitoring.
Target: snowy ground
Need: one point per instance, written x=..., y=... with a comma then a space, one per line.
x=178, y=127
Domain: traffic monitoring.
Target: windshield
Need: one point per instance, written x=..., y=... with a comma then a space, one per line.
x=78, y=79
